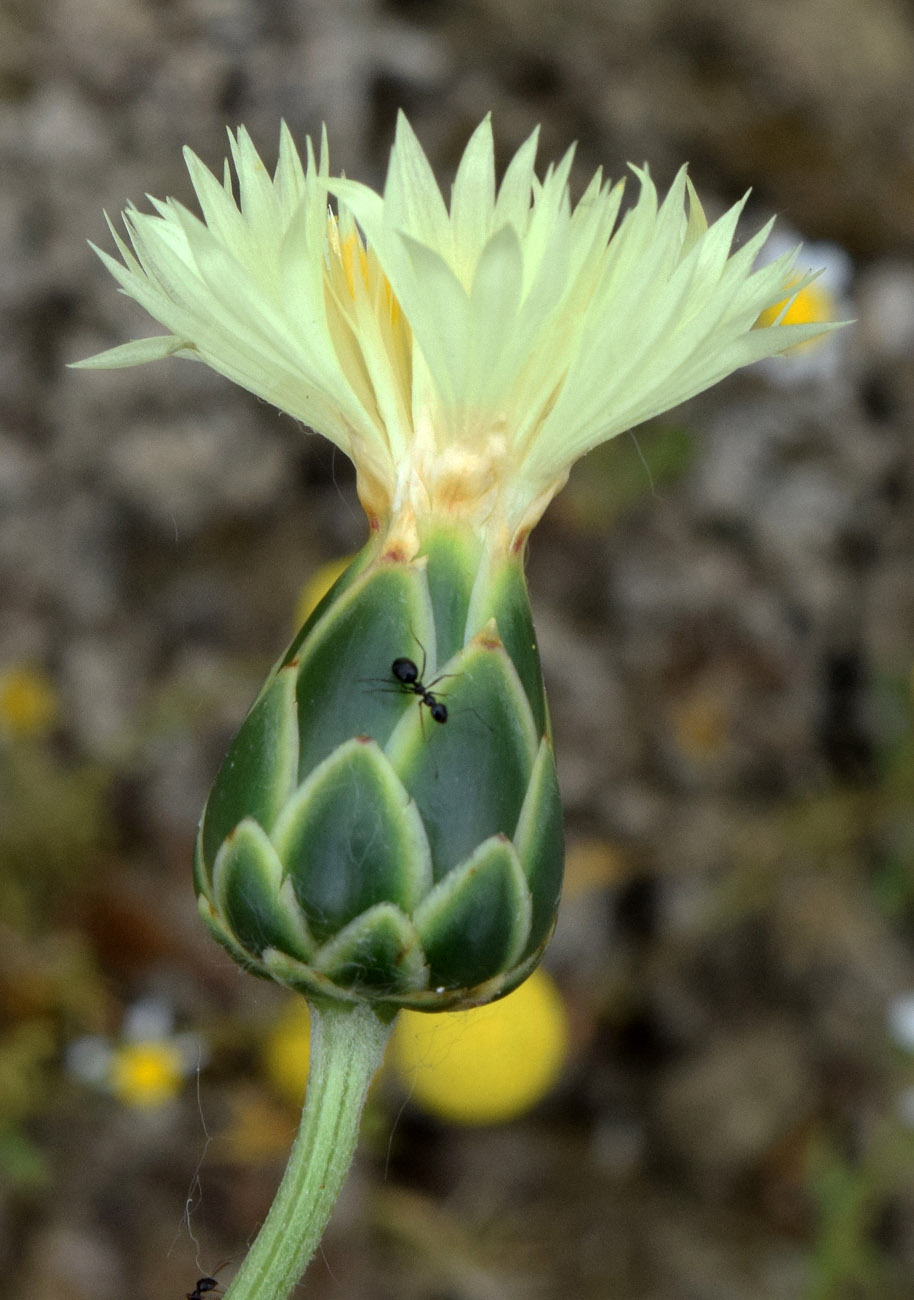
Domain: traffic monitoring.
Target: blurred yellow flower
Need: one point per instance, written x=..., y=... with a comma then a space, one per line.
x=591, y=866
x=487, y=1065
x=146, y=1074
x=28, y=701
x=702, y=723
x=286, y=1053
x=317, y=586
x=822, y=300
x=812, y=304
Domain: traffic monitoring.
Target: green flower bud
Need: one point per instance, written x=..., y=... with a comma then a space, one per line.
x=386, y=825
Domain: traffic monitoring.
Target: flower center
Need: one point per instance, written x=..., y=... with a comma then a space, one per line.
x=812, y=304
x=147, y=1074
x=356, y=285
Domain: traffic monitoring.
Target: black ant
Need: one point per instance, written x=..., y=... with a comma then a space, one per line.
x=205, y=1285
x=409, y=677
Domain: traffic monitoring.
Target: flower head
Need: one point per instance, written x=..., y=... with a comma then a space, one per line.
x=463, y=356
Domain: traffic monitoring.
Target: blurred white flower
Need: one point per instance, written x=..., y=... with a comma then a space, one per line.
x=146, y=1066
x=900, y=1019
x=826, y=298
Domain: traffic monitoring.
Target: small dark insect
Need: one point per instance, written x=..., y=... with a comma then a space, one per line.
x=205, y=1285
x=409, y=677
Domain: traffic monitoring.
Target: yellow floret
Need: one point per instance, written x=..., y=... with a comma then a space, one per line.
x=812, y=305
x=146, y=1075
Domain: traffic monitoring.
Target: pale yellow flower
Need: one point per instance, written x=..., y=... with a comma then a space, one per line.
x=463, y=356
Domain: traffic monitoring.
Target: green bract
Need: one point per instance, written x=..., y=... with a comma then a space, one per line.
x=353, y=847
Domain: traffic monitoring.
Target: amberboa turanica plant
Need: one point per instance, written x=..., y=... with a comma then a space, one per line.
x=362, y=846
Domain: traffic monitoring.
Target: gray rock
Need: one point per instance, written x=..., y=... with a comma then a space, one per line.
x=182, y=473
x=720, y=1111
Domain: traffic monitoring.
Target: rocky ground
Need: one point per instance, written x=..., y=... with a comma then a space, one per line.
x=726, y=616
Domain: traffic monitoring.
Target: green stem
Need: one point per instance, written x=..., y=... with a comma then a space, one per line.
x=347, y=1044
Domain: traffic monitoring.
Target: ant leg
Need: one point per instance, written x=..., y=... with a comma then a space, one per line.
x=442, y=677
x=468, y=708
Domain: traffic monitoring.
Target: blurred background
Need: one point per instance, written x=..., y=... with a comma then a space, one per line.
x=725, y=606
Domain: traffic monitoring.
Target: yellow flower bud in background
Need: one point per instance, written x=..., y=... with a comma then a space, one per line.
x=317, y=586
x=812, y=304
x=28, y=701
x=286, y=1056
x=486, y=1065
x=483, y=1066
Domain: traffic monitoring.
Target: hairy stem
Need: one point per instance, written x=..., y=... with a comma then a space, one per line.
x=347, y=1044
